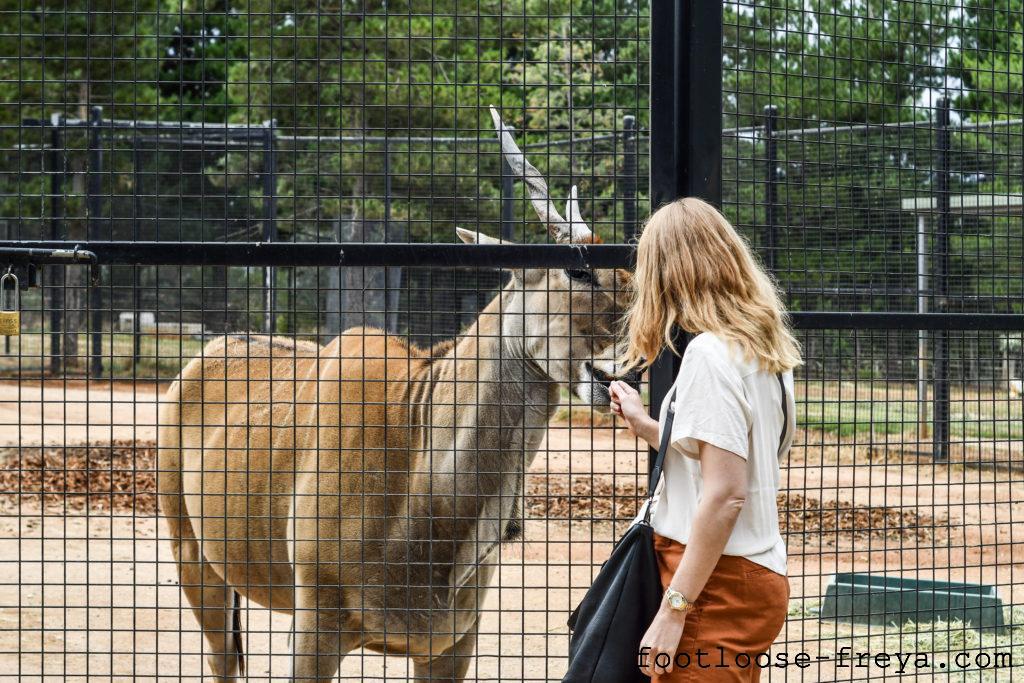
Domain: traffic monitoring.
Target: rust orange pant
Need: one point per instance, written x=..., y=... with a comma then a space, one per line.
x=737, y=616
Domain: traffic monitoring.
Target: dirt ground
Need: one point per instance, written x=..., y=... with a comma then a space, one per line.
x=76, y=412
x=90, y=595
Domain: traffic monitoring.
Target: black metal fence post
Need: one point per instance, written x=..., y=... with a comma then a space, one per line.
x=392, y=277
x=136, y=284
x=94, y=204
x=771, y=153
x=923, y=221
x=629, y=166
x=7, y=337
x=940, y=288
x=387, y=186
x=665, y=180
x=686, y=125
x=56, y=159
x=269, y=221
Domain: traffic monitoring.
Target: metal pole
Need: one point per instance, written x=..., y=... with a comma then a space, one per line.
x=94, y=202
x=387, y=190
x=386, y=237
x=16, y=288
x=136, y=284
x=269, y=221
x=686, y=126
x=922, y=335
x=629, y=181
x=771, y=114
x=56, y=159
x=940, y=271
x=665, y=164
x=686, y=108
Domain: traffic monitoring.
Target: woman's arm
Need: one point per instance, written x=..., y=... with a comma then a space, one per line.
x=725, y=491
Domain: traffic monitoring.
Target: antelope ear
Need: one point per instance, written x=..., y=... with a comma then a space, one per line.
x=474, y=237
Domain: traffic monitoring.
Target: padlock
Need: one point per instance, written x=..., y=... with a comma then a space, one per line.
x=10, y=306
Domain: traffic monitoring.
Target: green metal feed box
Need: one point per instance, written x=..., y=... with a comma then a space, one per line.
x=881, y=599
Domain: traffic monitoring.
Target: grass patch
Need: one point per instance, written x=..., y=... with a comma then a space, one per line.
x=847, y=418
x=850, y=409
x=159, y=357
x=950, y=647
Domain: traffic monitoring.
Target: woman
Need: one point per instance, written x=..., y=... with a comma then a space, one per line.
x=722, y=558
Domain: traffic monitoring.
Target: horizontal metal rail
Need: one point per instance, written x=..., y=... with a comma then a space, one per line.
x=326, y=254
x=256, y=133
x=924, y=124
x=46, y=255
x=313, y=254
x=864, y=320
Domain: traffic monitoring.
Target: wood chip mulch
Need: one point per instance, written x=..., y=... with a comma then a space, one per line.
x=119, y=477
x=588, y=498
x=114, y=477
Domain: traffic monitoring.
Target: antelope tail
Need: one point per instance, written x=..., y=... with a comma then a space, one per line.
x=236, y=632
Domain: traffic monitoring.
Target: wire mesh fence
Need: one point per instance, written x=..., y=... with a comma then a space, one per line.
x=167, y=181
x=871, y=150
x=229, y=188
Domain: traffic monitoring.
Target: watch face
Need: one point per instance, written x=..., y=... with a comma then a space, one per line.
x=675, y=600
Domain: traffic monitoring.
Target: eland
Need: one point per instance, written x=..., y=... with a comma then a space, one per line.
x=365, y=486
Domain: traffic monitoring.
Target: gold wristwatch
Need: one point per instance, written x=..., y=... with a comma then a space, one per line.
x=677, y=600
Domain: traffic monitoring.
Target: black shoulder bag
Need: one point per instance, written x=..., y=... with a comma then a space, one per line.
x=614, y=614
x=621, y=604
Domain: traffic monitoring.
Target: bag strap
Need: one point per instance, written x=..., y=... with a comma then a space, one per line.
x=659, y=462
x=785, y=413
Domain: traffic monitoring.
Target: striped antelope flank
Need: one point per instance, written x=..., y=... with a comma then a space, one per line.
x=364, y=486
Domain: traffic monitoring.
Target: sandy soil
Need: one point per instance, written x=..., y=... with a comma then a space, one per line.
x=95, y=596
x=74, y=412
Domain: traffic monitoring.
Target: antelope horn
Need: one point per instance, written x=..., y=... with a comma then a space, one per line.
x=572, y=211
x=559, y=228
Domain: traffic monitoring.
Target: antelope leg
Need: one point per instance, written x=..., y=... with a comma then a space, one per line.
x=451, y=665
x=319, y=642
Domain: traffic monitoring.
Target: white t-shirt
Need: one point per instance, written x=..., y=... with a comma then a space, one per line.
x=731, y=403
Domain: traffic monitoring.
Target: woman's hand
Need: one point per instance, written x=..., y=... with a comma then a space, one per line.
x=658, y=646
x=627, y=404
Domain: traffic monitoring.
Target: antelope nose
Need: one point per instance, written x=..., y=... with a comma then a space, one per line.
x=632, y=378
x=599, y=375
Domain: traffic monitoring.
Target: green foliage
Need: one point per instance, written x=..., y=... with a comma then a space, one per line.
x=841, y=61
x=200, y=42
x=370, y=69
x=838, y=218
x=558, y=69
x=76, y=53
x=991, y=60
x=350, y=68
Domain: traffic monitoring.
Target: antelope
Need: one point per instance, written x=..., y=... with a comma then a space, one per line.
x=365, y=486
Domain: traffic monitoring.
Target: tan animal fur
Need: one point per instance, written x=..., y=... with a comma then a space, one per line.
x=364, y=486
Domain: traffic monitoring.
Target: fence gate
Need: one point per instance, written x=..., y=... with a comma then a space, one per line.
x=266, y=407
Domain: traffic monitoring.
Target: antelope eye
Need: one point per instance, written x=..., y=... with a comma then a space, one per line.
x=584, y=276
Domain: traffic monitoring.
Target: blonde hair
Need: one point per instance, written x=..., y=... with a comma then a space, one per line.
x=695, y=271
